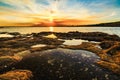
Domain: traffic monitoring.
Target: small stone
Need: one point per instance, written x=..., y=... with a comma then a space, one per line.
x=86, y=69
x=61, y=65
x=50, y=70
x=106, y=76
x=61, y=76
x=94, y=79
x=51, y=62
x=58, y=72
x=5, y=66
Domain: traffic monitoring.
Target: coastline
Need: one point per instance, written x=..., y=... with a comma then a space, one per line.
x=17, y=48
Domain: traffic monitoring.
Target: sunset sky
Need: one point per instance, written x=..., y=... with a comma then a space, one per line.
x=68, y=12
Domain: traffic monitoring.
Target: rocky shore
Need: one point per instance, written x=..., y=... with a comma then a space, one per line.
x=17, y=75
x=19, y=47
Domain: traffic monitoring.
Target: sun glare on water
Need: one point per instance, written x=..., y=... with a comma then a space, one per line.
x=51, y=29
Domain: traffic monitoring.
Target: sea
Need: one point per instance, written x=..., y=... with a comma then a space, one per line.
x=28, y=30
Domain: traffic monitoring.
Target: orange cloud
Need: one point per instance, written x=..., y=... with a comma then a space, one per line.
x=73, y=22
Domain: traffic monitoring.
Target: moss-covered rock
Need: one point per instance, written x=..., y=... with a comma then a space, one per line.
x=111, y=66
x=17, y=75
x=6, y=61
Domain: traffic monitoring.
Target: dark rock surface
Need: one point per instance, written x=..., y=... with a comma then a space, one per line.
x=65, y=64
x=6, y=61
x=90, y=36
x=110, y=56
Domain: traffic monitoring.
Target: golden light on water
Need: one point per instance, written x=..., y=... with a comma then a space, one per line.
x=51, y=29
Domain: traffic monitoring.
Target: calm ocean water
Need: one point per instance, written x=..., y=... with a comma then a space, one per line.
x=26, y=30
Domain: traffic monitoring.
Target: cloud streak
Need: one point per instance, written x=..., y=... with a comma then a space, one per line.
x=40, y=11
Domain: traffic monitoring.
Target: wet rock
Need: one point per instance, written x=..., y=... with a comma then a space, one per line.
x=111, y=66
x=6, y=61
x=90, y=36
x=110, y=54
x=6, y=39
x=41, y=34
x=51, y=41
x=10, y=51
x=112, y=38
x=61, y=64
x=36, y=49
x=18, y=48
x=15, y=33
x=17, y=75
x=3, y=32
x=27, y=42
x=113, y=52
x=17, y=44
x=85, y=46
x=106, y=44
x=22, y=54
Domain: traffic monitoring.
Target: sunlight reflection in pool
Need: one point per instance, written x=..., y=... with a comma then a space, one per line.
x=74, y=42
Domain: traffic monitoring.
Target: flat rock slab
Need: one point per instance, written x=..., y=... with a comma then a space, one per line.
x=65, y=64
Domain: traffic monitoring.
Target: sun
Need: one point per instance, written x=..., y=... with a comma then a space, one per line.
x=51, y=18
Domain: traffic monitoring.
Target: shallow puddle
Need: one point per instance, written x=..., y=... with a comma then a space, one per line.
x=74, y=42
